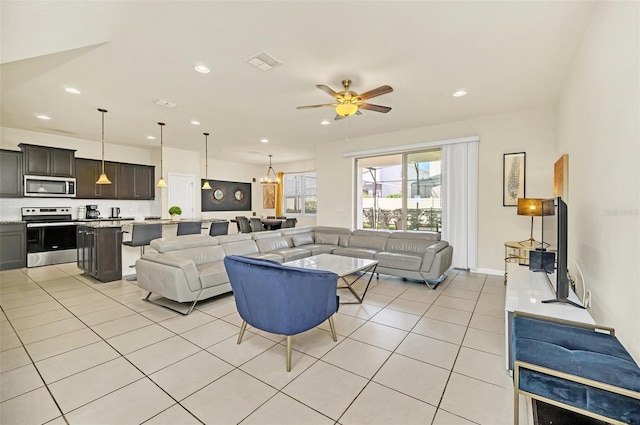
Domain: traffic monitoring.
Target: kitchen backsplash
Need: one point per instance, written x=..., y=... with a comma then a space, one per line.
x=10, y=207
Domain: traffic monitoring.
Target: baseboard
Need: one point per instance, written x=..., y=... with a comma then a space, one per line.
x=489, y=271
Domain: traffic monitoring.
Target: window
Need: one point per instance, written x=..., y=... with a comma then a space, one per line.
x=401, y=191
x=300, y=193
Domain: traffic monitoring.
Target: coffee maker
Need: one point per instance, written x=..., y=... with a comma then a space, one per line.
x=92, y=211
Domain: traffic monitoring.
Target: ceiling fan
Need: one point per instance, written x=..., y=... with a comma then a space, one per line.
x=349, y=102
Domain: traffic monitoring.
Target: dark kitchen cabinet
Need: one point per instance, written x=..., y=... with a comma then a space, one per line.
x=11, y=175
x=13, y=246
x=100, y=252
x=136, y=182
x=46, y=161
x=87, y=173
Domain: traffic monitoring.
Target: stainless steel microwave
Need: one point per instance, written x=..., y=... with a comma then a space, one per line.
x=50, y=187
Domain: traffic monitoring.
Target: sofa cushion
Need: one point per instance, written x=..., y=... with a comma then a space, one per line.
x=327, y=238
x=355, y=252
x=271, y=244
x=245, y=247
x=182, y=242
x=396, y=260
x=212, y=274
x=320, y=249
x=304, y=239
x=290, y=254
x=202, y=255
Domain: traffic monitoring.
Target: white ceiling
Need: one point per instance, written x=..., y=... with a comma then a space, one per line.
x=125, y=55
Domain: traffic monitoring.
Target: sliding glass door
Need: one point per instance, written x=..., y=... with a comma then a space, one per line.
x=400, y=191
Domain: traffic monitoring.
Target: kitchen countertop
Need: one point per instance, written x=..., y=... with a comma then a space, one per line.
x=129, y=222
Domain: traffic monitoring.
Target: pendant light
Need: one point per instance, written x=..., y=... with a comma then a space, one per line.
x=271, y=177
x=103, y=179
x=206, y=184
x=161, y=183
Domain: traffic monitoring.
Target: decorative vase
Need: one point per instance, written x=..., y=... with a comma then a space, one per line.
x=175, y=217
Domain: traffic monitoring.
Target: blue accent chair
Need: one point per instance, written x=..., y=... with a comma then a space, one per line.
x=282, y=300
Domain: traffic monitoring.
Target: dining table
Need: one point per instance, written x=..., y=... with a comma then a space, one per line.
x=272, y=223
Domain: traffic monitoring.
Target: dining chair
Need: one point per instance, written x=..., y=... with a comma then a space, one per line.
x=256, y=224
x=281, y=217
x=243, y=224
x=290, y=222
x=189, y=228
x=271, y=216
x=281, y=300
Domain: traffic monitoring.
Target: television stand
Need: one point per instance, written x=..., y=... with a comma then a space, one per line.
x=526, y=291
x=561, y=301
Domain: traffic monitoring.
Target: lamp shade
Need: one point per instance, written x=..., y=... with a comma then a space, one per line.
x=530, y=206
x=161, y=183
x=345, y=109
x=103, y=179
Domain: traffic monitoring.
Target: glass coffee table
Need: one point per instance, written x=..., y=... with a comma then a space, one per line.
x=343, y=267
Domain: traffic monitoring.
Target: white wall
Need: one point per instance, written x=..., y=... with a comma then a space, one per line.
x=531, y=131
x=598, y=126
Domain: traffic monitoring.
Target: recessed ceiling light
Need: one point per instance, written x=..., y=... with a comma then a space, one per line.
x=194, y=122
x=72, y=90
x=43, y=117
x=325, y=122
x=264, y=140
x=459, y=93
x=151, y=138
x=202, y=69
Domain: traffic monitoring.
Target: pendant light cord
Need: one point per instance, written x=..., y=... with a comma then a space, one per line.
x=102, y=111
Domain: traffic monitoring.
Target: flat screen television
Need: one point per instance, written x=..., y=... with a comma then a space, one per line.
x=555, y=235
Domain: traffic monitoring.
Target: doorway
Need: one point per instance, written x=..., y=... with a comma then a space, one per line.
x=182, y=194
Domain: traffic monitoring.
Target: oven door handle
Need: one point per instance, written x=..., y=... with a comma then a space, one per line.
x=56, y=224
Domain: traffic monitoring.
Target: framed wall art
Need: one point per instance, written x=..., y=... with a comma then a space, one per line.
x=513, y=178
x=269, y=196
x=561, y=177
x=226, y=196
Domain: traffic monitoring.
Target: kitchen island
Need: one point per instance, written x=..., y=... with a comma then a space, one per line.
x=100, y=250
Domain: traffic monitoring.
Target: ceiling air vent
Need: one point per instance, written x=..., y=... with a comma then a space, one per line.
x=165, y=103
x=263, y=61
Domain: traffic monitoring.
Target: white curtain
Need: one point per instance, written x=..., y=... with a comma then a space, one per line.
x=460, y=202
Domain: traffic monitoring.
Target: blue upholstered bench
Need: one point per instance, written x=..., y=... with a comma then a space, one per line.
x=576, y=367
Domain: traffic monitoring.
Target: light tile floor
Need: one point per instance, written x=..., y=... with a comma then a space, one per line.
x=78, y=351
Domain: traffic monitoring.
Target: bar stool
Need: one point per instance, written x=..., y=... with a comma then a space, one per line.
x=219, y=228
x=189, y=228
x=243, y=224
x=142, y=235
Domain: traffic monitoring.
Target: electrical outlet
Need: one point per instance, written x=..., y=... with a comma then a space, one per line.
x=587, y=299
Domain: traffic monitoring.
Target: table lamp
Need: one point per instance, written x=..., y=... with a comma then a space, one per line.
x=531, y=207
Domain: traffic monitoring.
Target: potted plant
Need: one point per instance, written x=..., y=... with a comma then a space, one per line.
x=175, y=212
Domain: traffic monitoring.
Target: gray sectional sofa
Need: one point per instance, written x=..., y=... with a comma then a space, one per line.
x=190, y=268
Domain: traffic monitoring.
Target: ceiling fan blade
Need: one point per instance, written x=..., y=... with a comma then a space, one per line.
x=359, y=112
x=328, y=90
x=339, y=117
x=376, y=108
x=375, y=92
x=315, y=106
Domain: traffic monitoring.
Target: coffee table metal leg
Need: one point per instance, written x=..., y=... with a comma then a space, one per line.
x=348, y=286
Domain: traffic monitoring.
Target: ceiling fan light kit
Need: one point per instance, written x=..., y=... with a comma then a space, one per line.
x=349, y=102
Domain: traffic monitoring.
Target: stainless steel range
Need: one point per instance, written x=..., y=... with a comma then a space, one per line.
x=51, y=236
